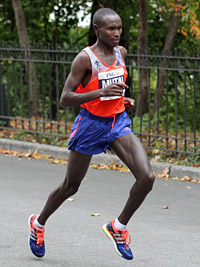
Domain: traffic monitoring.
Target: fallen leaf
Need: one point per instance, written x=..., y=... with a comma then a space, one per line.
x=194, y=180
x=187, y=178
x=56, y=161
x=70, y=199
x=95, y=214
x=176, y=178
x=165, y=171
x=164, y=207
x=124, y=169
x=29, y=154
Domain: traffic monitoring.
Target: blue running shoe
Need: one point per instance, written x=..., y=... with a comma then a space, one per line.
x=119, y=238
x=36, y=238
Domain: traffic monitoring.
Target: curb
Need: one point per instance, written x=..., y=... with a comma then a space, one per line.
x=178, y=171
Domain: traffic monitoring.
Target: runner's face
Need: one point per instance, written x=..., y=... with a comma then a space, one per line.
x=111, y=30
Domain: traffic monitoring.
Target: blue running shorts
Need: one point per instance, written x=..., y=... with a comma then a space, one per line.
x=92, y=134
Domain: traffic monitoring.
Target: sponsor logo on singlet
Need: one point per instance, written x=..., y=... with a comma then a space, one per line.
x=108, y=77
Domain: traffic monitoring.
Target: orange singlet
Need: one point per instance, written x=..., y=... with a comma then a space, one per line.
x=102, y=76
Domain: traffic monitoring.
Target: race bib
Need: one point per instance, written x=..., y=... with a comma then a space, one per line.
x=108, y=77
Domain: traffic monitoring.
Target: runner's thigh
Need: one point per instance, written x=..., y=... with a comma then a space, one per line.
x=130, y=150
x=77, y=167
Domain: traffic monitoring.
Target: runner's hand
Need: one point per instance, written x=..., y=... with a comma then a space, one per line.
x=128, y=103
x=114, y=89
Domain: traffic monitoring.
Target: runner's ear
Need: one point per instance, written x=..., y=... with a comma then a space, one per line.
x=96, y=28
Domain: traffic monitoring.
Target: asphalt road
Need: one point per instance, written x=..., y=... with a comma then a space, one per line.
x=160, y=237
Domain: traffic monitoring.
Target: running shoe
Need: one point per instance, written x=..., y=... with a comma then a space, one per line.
x=121, y=240
x=36, y=238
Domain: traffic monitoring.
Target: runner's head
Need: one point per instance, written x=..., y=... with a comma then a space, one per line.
x=108, y=26
x=100, y=15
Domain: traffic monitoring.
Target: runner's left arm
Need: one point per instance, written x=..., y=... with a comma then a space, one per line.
x=128, y=102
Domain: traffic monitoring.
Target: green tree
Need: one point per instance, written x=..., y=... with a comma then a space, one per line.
x=47, y=22
x=175, y=17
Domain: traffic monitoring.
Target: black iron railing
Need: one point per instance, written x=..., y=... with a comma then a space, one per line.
x=166, y=88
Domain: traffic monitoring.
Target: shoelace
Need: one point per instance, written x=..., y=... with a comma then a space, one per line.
x=37, y=236
x=127, y=238
x=123, y=237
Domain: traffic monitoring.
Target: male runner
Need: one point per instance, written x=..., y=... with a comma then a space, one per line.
x=97, y=83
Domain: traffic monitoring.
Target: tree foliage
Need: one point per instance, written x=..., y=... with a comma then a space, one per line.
x=47, y=21
x=56, y=21
x=188, y=27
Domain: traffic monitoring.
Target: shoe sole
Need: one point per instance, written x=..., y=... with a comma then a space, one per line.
x=106, y=231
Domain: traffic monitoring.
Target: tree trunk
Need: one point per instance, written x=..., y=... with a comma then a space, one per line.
x=23, y=39
x=142, y=98
x=169, y=40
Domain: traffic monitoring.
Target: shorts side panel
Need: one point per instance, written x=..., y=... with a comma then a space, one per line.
x=88, y=136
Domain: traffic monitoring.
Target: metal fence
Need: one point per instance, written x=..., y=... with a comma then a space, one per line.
x=166, y=88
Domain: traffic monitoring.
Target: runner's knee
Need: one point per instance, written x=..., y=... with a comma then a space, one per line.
x=146, y=182
x=69, y=189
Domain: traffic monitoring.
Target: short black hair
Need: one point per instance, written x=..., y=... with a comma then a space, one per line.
x=99, y=15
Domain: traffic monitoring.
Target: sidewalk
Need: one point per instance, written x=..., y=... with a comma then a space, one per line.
x=62, y=153
x=164, y=231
